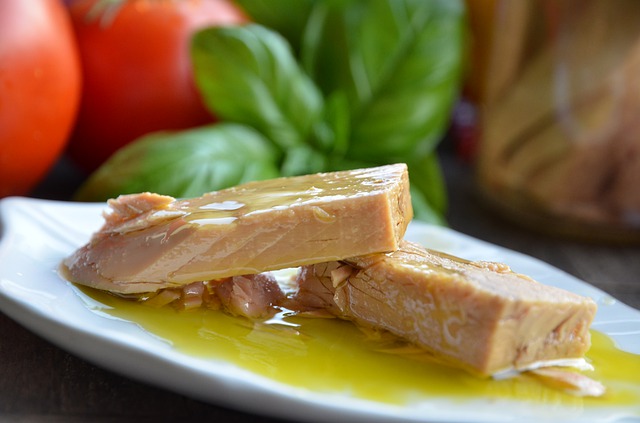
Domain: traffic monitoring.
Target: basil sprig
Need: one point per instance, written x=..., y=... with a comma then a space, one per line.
x=318, y=85
x=184, y=163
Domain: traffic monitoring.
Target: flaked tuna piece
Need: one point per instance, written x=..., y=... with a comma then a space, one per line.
x=150, y=242
x=127, y=207
x=253, y=296
x=570, y=382
x=477, y=315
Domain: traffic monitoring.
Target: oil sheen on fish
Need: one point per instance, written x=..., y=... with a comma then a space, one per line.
x=150, y=242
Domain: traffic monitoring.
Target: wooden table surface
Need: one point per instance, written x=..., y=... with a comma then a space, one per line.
x=42, y=383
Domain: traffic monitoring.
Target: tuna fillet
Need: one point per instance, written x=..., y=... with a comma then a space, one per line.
x=150, y=242
x=477, y=315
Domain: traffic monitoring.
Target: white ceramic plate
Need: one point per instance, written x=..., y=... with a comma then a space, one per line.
x=37, y=234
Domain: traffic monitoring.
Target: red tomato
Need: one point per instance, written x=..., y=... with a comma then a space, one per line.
x=39, y=90
x=137, y=70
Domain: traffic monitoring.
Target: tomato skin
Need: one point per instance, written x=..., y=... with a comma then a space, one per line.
x=137, y=71
x=39, y=90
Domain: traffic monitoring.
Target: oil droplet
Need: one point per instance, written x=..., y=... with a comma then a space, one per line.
x=224, y=205
x=213, y=220
x=322, y=215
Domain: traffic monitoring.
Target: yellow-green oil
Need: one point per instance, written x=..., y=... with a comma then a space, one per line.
x=332, y=355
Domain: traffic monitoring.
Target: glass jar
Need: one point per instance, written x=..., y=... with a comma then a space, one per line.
x=559, y=110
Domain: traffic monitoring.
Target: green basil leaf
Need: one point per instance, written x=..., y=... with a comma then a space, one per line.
x=288, y=17
x=423, y=210
x=249, y=75
x=399, y=63
x=303, y=160
x=336, y=125
x=428, y=187
x=184, y=164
